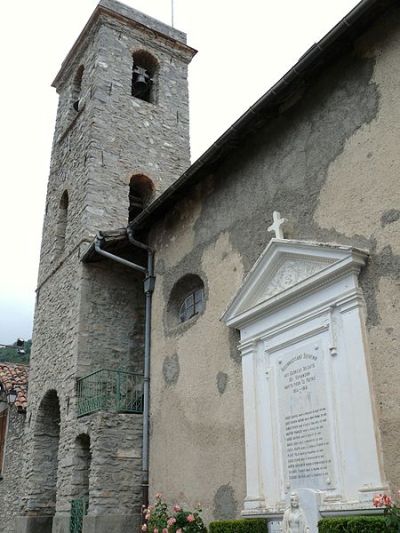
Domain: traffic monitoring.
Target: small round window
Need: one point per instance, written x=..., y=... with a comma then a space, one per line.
x=186, y=300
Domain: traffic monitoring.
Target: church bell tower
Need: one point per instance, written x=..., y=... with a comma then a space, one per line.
x=121, y=138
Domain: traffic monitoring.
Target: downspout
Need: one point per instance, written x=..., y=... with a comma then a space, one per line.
x=149, y=283
x=97, y=246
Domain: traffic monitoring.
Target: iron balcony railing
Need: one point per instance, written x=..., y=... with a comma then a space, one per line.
x=114, y=391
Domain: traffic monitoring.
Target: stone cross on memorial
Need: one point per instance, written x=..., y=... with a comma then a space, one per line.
x=276, y=226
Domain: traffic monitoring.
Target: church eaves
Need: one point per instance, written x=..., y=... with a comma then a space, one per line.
x=285, y=93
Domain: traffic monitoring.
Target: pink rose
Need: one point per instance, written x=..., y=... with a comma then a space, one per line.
x=165, y=530
x=171, y=521
x=190, y=518
x=155, y=530
x=176, y=508
x=180, y=530
x=144, y=527
x=378, y=501
x=158, y=496
x=387, y=500
x=147, y=516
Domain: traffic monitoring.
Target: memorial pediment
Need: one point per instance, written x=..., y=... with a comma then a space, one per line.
x=307, y=404
x=286, y=269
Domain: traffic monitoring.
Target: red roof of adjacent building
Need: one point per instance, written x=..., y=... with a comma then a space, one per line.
x=12, y=375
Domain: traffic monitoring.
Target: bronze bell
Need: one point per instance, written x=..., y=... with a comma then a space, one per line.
x=140, y=84
x=141, y=81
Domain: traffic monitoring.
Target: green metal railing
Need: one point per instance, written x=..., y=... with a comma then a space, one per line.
x=79, y=509
x=114, y=391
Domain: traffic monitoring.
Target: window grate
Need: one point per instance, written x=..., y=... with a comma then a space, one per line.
x=192, y=305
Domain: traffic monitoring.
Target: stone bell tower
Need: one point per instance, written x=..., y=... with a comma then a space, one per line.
x=121, y=138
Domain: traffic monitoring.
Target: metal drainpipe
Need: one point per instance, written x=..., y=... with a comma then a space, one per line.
x=149, y=283
x=97, y=246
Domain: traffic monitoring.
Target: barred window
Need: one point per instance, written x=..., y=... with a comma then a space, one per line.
x=192, y=305
x=187, y=300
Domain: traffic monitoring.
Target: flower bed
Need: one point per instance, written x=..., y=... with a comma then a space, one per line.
x=158, y=519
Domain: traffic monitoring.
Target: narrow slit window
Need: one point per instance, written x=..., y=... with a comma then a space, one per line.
x=62, y=221
x=77, y=89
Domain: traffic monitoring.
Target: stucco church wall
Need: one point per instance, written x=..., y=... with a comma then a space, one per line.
x=11, y=491
x=330, y=165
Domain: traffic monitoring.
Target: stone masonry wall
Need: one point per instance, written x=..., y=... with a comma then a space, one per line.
x=103, y=303
x=111, y=326
x=115, y=474
x=91, y=316
x=69, y=171
x=53, y=365
x=329, y=164
x=129, y=135
x=11, y=489
x=113, y=135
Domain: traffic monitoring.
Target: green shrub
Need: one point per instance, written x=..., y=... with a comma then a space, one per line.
x=246, y=525
x=355, y=524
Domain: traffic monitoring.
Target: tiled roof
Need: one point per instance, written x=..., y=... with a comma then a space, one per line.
x=16, y=376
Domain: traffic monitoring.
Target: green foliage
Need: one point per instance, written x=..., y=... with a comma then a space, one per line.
x=356, y=524
x=246, y=525
x=10, y=355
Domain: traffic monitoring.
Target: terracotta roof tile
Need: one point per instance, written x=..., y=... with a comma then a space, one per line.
x=13, y=375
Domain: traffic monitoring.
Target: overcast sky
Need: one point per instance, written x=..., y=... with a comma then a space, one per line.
x=244, y=48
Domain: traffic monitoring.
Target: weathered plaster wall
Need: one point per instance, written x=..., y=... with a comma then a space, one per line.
x=364, y=182
x=11, y=491
x=329, y=165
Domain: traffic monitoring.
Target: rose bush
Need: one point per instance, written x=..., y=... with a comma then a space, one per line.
x=158, y=519
x=391, y=509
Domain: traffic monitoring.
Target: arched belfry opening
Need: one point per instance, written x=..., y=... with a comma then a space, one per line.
x=141, y=190
x=62, y=220
x=46, y=436
x=77, y=88
x=144, y=73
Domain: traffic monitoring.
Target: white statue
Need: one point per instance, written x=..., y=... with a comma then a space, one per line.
x=294, y=520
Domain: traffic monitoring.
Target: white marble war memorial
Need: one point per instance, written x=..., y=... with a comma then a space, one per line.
x=311, y=445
